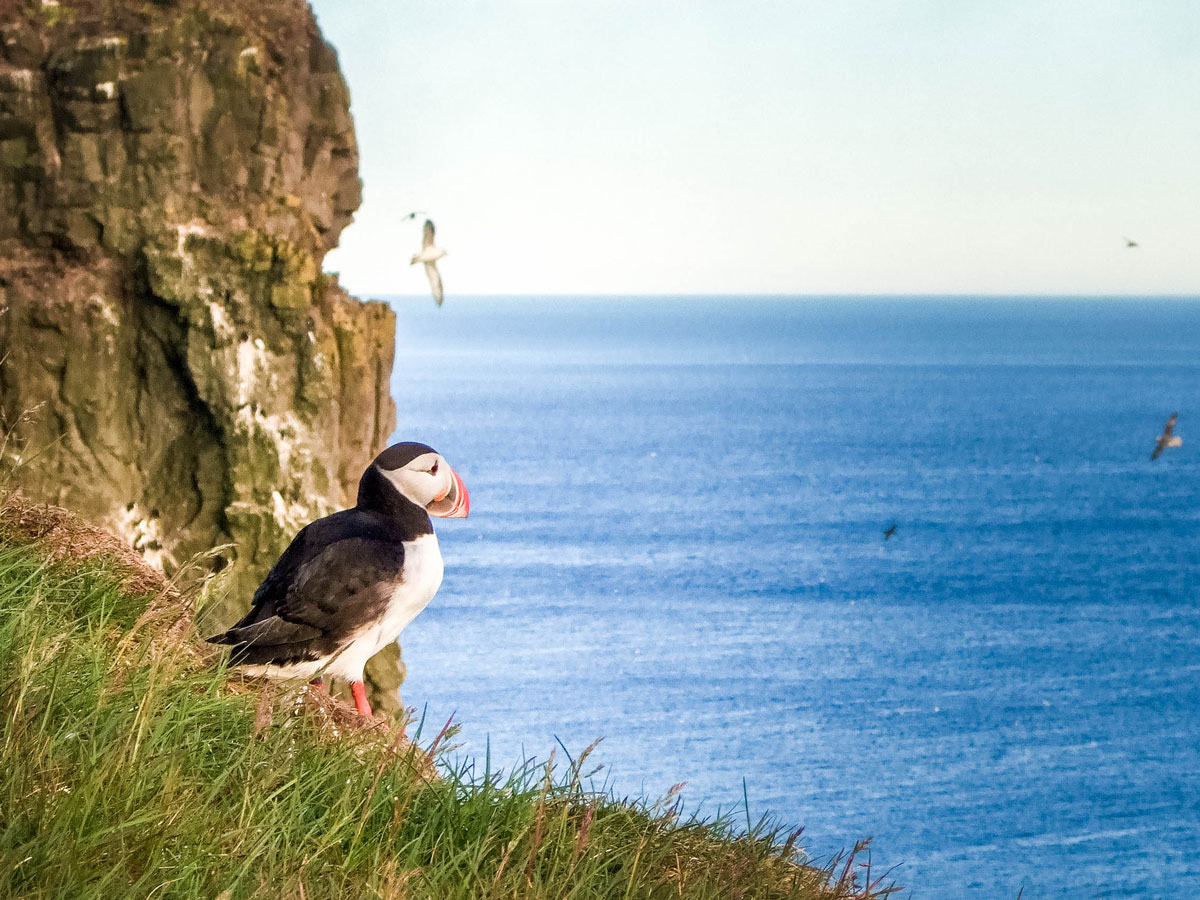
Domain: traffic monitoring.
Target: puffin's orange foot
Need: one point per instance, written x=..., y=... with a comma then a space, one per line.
x=360, y=698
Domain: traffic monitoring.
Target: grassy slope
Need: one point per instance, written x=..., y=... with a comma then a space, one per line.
x=131, y=767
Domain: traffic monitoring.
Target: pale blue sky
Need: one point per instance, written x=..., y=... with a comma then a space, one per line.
x=857, y=146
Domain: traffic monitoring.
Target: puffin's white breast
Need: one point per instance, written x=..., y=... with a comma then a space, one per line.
x=422, y=577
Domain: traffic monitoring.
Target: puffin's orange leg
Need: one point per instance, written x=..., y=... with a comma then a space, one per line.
x=317, y=682
x=360, y=698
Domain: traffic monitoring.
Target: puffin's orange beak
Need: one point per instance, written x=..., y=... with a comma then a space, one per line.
x=455, y=503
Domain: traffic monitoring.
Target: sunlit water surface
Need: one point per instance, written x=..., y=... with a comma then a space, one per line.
x=676, y=543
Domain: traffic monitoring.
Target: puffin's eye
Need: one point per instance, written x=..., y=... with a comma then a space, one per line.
x=433, y=471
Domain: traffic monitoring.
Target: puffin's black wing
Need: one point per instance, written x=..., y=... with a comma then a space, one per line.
x=271, y=631
x=336, y=577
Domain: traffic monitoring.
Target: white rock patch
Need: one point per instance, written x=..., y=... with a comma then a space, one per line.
x=222, y=326
x=143, y=532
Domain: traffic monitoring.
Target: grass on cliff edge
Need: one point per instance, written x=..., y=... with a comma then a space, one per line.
x=132, y=767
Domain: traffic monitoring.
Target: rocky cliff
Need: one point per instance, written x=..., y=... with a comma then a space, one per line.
x=176, y=367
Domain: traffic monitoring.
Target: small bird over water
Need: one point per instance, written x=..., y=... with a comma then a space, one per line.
x=430, y=255
x=891, y=529
x=349, y=583
x=1167, y=439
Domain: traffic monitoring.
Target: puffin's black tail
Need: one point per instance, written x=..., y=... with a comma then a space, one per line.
x=273, y=641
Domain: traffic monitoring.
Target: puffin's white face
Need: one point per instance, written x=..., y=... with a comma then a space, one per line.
x=429, y=481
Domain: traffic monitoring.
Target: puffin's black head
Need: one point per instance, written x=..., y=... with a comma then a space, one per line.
x=415, y=473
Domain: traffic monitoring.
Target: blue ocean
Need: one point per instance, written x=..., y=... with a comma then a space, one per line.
x=676, y=544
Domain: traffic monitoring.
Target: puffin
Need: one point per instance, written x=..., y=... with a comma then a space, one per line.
x=350, y=582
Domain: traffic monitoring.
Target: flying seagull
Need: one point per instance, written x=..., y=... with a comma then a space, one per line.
x=430, y=255
x=1167, y=439
x=349, y=583
x=891, y=529
x=412, y=215
x=1130, y=243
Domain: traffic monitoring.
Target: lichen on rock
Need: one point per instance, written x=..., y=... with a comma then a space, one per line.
x=171, y=178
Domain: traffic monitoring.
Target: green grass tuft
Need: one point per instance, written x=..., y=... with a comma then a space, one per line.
x=131, y=767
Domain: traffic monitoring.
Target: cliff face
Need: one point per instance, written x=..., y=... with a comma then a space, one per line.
x=176, y=367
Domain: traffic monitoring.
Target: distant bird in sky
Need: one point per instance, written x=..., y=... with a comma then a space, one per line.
x=1130, y=242
x=349, y=583
x=890, y=531
x=1167, y=439
x=413, y=215
x=430, y=255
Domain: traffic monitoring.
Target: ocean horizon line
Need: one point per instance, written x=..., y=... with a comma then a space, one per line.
x=416, y=295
